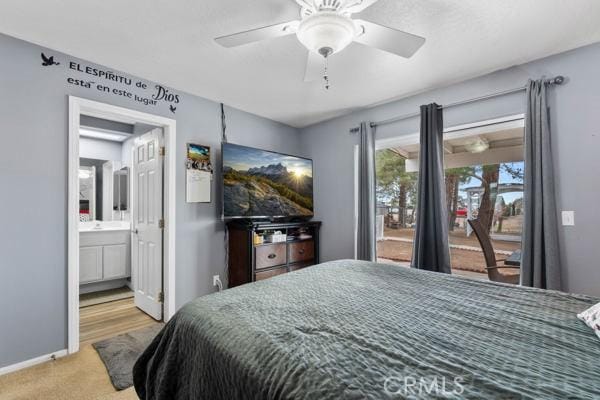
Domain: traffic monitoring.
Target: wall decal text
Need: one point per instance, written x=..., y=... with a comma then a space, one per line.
x=104, y=80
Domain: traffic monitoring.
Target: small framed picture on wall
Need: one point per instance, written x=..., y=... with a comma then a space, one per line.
x=198, y=173
x=198, y=157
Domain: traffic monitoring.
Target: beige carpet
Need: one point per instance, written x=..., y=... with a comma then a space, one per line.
x=78, y=376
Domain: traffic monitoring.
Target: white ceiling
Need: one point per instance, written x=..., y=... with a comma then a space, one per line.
x=171, y=42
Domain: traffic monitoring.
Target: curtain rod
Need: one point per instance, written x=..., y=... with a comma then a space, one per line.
x=558, y=80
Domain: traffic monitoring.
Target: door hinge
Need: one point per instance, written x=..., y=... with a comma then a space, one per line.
x=161, y=297
x=161, y=223
x=162, y=151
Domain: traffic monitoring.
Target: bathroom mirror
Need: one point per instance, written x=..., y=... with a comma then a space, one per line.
x=91, y=189
x=104, y=190
x=87, y=193
x=121, y=189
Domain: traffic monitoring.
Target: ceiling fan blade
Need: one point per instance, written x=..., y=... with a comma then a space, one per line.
x=391, y=40
x=306, y=3
x=256, y=35
x=356, y=6
x=314, y=67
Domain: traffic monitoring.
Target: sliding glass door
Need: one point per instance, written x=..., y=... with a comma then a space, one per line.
x=484, y=181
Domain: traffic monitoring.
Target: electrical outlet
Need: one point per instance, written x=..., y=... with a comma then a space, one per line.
x=217, y=282
x=568, y=218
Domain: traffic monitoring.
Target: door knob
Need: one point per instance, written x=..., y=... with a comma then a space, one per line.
x=135, y=231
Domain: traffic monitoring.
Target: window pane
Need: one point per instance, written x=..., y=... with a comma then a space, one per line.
x=396, y=199
x=492, y=194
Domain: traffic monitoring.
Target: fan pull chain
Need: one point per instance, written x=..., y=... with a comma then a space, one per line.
x=326, y=74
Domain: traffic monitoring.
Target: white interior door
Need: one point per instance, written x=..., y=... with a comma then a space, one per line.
x=147, y=238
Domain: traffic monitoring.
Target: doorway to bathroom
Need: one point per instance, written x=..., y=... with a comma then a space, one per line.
x=121, y=225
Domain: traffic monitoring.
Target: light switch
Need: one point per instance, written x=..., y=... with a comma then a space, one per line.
x=568, y=218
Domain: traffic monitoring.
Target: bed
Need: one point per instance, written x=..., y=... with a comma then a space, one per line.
x=360, y=330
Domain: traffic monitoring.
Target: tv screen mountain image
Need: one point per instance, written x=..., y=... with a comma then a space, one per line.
x=260, y=183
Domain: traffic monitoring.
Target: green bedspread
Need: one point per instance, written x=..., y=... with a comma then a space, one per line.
x=358, y=330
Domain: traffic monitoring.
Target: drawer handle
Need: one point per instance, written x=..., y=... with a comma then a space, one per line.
x=301, y=251
x=272, y=256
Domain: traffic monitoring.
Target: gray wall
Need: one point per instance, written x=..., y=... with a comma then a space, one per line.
x=576, y=144
x=93, y=122
x=100, y=149
x=33, y=169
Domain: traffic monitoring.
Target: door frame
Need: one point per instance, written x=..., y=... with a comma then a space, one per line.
x=78, y=106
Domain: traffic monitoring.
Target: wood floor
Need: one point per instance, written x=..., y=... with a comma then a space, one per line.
x=105, y=296
x=102, y=321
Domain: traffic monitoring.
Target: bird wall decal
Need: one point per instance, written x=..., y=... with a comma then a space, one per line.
x=48, y=61
x=172, y=108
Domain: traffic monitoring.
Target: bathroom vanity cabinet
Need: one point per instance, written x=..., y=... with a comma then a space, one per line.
x=104, y=255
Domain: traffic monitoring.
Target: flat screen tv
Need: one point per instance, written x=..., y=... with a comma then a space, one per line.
x=264, y=184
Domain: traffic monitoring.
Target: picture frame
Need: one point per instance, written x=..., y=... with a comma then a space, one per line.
x=198, y=158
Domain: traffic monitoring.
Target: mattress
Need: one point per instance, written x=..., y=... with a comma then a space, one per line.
x=359, y=330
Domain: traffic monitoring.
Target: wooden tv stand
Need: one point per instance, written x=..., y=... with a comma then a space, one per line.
x=249, y=261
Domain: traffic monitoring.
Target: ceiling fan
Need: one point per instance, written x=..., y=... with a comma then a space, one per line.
x=326, y=27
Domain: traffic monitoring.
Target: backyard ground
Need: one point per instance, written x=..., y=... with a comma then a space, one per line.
x=465, y=252
x=509, y=225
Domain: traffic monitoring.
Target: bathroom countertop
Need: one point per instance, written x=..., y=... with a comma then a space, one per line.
x=104, y=226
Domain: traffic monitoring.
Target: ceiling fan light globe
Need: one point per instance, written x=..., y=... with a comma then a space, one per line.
x=477, y=145
x=326, y=30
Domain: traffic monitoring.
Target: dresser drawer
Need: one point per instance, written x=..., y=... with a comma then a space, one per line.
x=270, y=255
x=302, y=251
x=270, y=273
x=300, y=265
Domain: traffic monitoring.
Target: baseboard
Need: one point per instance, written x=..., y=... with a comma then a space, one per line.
x=100, y=286
x=34, y=361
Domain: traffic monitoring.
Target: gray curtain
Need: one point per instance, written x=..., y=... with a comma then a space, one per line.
x=430, y=248
x=366, y=241
x=540, y=258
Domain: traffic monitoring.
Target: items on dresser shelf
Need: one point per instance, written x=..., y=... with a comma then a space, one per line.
x=269, y=237
x=258, y=239
x=261, y=250
x=275, y=237
x=299, y=234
